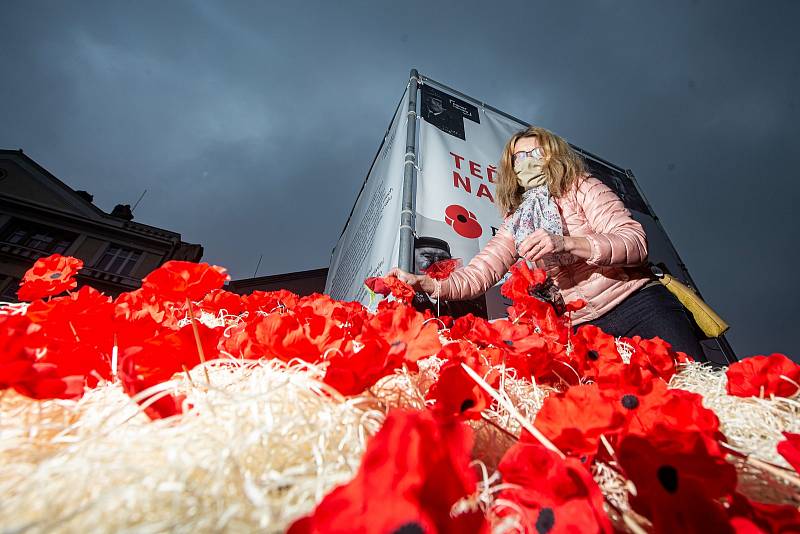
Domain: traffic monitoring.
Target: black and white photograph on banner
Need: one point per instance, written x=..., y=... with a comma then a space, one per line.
x=399, y=268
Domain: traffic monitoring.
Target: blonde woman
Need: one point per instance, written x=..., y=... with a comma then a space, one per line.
x=561, y=219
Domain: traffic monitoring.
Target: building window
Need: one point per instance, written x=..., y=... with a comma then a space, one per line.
x=37, y=237
x=9, y=292
x=118, y=260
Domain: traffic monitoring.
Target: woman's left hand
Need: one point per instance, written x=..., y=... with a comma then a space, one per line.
x=541, y=242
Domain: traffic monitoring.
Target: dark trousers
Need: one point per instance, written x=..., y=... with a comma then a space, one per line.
x=649, y=312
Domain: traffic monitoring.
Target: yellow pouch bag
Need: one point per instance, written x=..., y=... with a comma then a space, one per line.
x=709, y=322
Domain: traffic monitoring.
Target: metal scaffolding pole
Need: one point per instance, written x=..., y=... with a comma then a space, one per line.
x=406, y=259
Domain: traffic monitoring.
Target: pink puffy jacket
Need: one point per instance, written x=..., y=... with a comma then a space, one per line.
x=591, y=210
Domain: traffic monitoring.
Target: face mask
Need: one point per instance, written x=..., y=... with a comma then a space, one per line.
x=529, y=173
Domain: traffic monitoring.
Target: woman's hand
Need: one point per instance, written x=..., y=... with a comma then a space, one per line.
x=542, y=242
x=418, y=282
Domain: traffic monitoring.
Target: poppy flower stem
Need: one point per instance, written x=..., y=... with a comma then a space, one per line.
x=512, y=410
x=188, y=376
x=114, y=357
x=500, y=428
x=197, y=339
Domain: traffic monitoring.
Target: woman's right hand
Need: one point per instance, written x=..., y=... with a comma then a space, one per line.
x=417, y=281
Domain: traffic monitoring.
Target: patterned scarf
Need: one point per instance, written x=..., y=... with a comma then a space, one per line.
x=539, y=210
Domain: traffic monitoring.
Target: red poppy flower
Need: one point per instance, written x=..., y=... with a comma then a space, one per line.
x=76, y=335
x=555, y=495
x=523, y=281
x=269, y=301
x=415, y=469
x=665, y=410
x=219, y=300
x=47, y=383
x=575, y=305
x=171, y=352
x=655, y=355
x=134, y=382
x=593, y=349
x=17, y=352
x=353, y=371
x=442, y=269
x=49, y=276
x=285, y=336
x=456, y=394
x=575, y=419
x=762, y=376
x=377, y=285
x=679, y=477
x=348, y=315
x=475, y=329
x=790, y=449
x=391, y=285
x=179, y=280
x=463, y=221
x=405, y=324
x=751, y=517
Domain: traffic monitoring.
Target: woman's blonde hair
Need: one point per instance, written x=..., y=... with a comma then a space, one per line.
x=562, y=166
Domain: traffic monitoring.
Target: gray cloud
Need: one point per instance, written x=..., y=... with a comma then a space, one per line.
x=252, y=124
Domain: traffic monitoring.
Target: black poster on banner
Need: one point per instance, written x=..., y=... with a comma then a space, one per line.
x=447, y=112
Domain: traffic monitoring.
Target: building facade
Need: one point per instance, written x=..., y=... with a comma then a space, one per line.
x=40, y=215
x=301, y=282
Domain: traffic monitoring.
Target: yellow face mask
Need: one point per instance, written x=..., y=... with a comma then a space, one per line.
x=530, y=173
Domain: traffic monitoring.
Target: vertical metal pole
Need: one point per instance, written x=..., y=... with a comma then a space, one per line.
x=724, y=346
x=406, y=259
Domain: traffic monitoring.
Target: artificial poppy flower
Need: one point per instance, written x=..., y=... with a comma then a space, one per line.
x=655, y=355
x=762, y=376
x=47, y=382
x=391, y=285
x=442, y=269
x=405, y=324
x=348, y=315
x=17, y=349
x=575, y=419
x=49, y=276
x=77, y=335
x=679, y=479
x=575, y=305
x=134, y=382
x=356, y=369
x=377, y=285
x=555, y=495
x=83, y=316
x=134, y=305
x=668, y=410
x=221, y=301
x=414, y=472
x=751, y=517
x=285, y=336
x=456, y=394
x=178, y=280
x=270, y=301
x=593, y=350
x=522, y=282
x=475, y=329
x=171, y=352
x=516, y=338
x=790, y=449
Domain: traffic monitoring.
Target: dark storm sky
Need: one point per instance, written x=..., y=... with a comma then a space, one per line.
x=252, y=124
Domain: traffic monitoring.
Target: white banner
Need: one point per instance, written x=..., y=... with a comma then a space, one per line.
x=370, y=243
x=460, y=146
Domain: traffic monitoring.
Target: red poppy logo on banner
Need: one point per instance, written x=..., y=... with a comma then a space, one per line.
x=463, y=221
